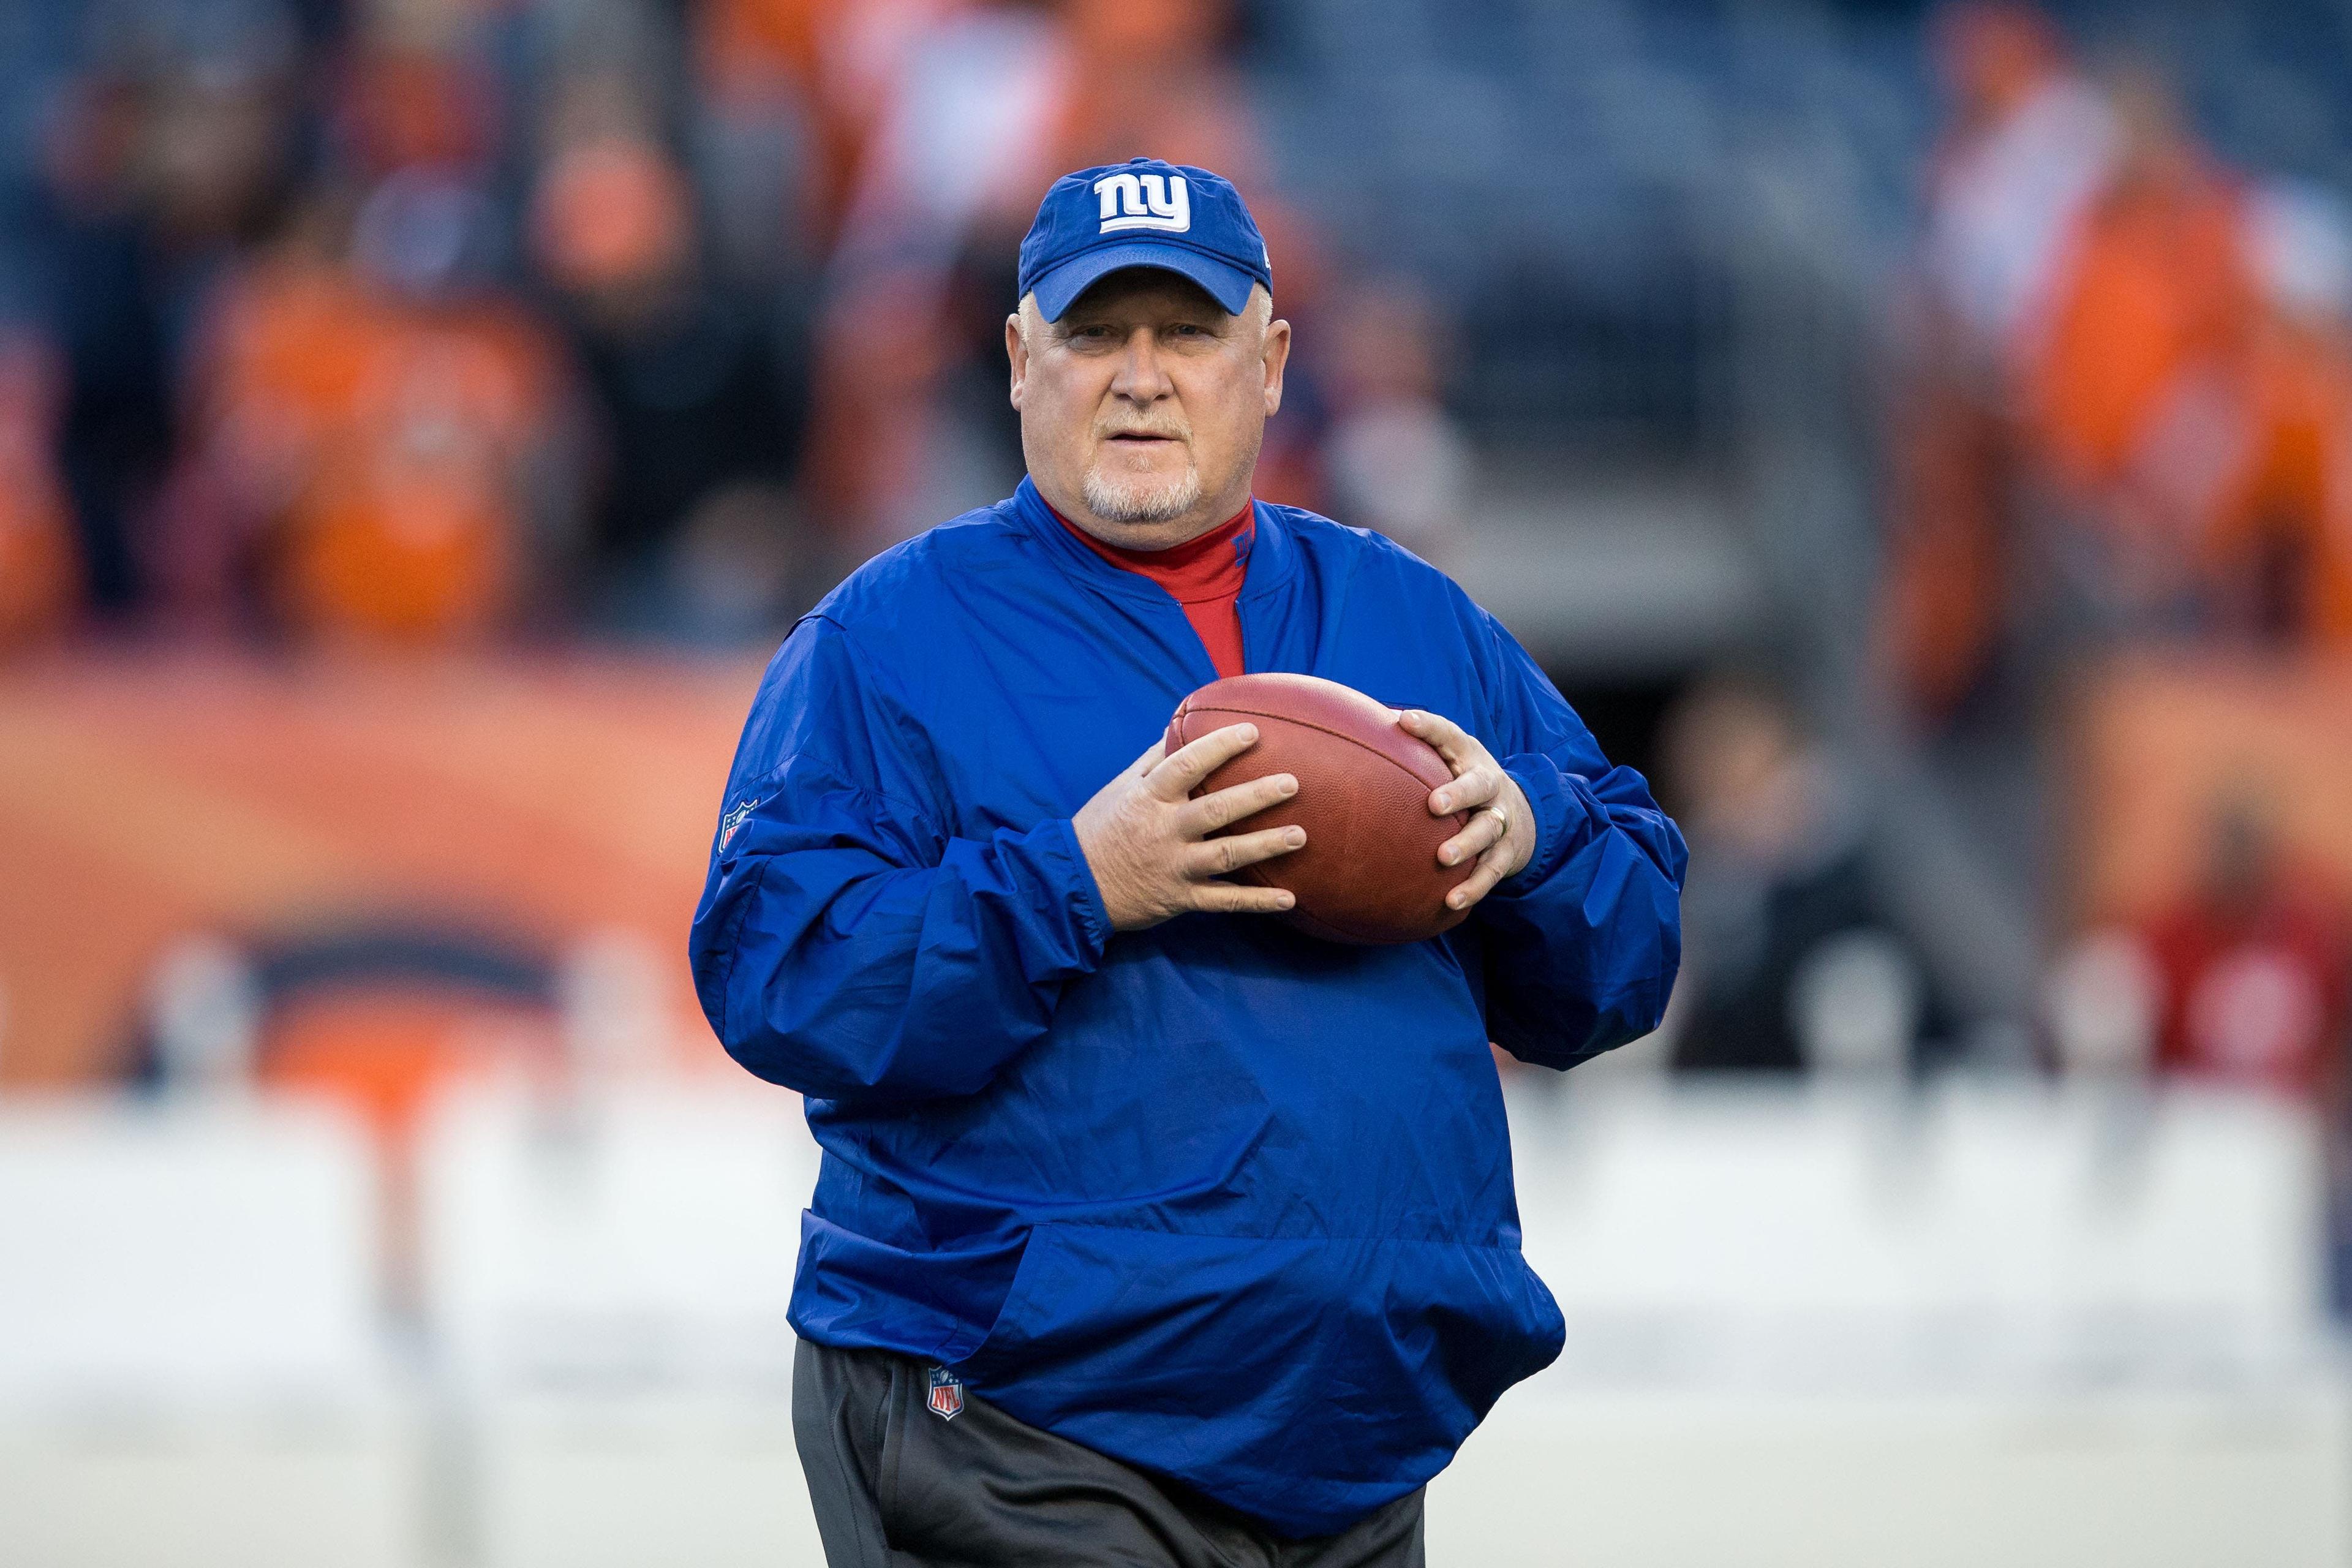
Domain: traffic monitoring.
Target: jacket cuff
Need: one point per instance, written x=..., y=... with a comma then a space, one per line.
x=1060, y=861
x=1562, y=823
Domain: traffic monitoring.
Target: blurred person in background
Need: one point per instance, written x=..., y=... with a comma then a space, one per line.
x=2130, y=406
x=2076, y=416
x=40, y=577
x=1154, y=71
x=361, y=431
x=2076, y=420
x=275, y=367
x=2029, y=145
x=2251, y=962
x=813, y=78
x=1790, y=942
x=388, y=447
x=901, y=334
x=752, y=127
x=445, y=503
x=2280, y=538
x=691, y=529
x=2239, y=982
x=165, y=154
x=1395, y=460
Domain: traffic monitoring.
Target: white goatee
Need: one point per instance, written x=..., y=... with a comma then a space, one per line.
x=1141, y=499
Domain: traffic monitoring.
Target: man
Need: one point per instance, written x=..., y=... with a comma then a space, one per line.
x=1149, y=1230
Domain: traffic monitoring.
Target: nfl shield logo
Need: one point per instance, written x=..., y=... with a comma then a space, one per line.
x=735, y=819
x=947, y=1394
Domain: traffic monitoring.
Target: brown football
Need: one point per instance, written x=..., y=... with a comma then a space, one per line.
x=1369, y=873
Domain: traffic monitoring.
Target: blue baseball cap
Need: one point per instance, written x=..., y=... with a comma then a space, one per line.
x=1142, y=213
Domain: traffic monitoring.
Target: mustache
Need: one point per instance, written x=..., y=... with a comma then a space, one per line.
x=1169, y=431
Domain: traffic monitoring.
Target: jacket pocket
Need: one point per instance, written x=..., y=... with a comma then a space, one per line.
x=1352, y=1368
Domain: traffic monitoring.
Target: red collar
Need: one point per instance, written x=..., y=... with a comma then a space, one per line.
x=1211, y=566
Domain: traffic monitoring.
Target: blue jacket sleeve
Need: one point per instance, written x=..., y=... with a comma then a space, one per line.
x=1581, y=945
x=848, y=945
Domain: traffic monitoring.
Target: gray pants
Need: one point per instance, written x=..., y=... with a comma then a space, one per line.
x=897, y=1486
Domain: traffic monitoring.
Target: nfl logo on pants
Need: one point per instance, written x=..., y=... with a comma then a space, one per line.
x=947, y=1394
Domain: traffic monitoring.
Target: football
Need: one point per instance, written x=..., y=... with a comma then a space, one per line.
x=1369, y=873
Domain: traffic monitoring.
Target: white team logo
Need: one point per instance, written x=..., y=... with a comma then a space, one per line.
x=1144, y=201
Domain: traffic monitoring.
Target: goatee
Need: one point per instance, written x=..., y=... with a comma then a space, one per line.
x=1141, y=500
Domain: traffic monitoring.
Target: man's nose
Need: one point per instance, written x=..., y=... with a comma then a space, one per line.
x=1140, y=378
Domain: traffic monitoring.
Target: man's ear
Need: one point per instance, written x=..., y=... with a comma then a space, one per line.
x=1016, y=351
x=1277, y=355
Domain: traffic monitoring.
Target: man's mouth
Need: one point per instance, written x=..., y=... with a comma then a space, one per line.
x=1140, y=437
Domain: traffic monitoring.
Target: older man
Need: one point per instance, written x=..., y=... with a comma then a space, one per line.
x=1149, y=1230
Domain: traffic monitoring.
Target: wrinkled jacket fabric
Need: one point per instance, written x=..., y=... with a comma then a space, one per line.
x=1214, y=1198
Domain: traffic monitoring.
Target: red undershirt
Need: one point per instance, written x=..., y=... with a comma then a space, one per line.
x=1201, y=574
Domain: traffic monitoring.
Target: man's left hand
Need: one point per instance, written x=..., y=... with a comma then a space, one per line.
x=1502, y=833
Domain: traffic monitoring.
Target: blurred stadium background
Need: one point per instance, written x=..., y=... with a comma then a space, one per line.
x=1920, y=437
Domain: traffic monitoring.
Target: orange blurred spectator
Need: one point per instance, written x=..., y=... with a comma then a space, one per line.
x=2030, y=144
x=2282, y=534
x=2077, y=414
x=275, y=366
x=409, y=529
x=418, y=521
x=1150, y=77
x=378, y=434
x=2127, y=397
x=39, y=578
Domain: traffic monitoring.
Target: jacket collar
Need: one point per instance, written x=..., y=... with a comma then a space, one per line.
x=1271, y=553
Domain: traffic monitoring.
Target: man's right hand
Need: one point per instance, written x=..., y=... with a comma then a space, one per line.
x=1147, y=841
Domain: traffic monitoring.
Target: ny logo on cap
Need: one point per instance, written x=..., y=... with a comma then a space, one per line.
x=1144, y=201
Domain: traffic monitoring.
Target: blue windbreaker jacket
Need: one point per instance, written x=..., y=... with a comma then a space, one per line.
x=1217, y=1199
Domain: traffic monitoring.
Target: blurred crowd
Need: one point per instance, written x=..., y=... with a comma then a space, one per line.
x=2127, y=406
x=2119, y=422
x=1804, y=954
x=444, y=321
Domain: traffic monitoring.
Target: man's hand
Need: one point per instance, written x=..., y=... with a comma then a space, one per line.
x=1503, y=833
x=1147, y=841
